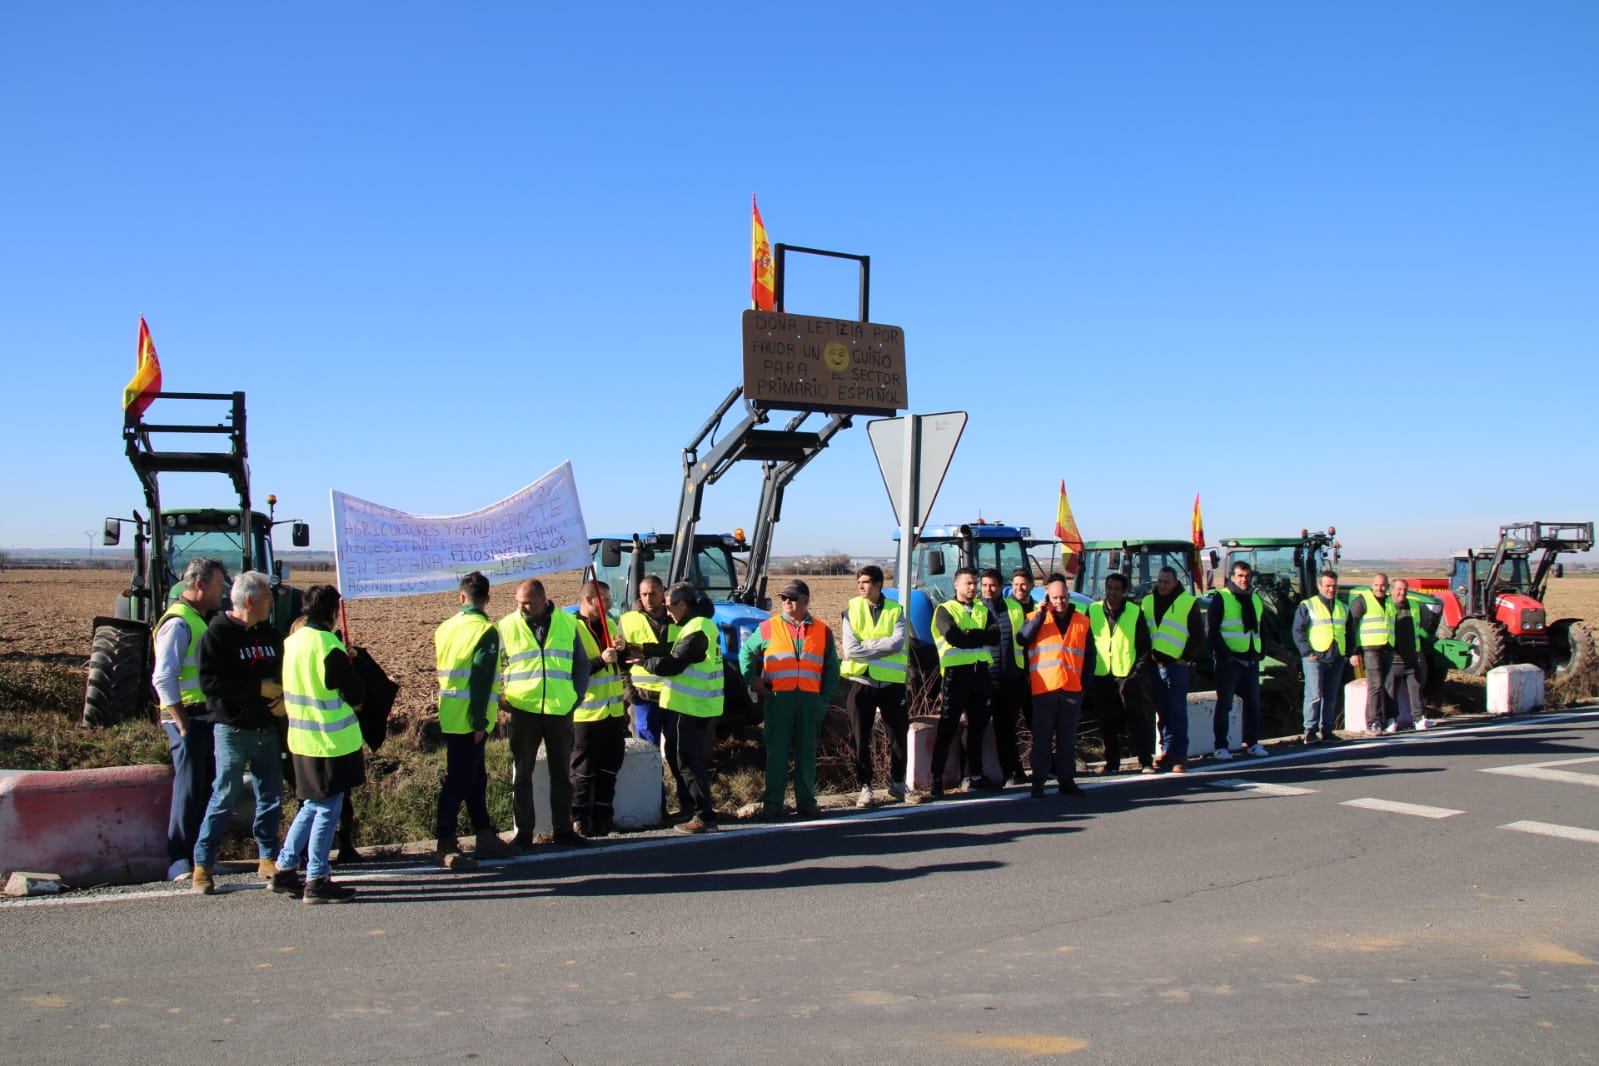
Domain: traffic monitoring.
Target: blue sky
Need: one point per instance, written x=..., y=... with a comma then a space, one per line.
x=1320, y=263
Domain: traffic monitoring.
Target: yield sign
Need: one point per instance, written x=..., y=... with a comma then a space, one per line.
x=937, y=439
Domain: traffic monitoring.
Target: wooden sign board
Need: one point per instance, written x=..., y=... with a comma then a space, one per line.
x=804, y=363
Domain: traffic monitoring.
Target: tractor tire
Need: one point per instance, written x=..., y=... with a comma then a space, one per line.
x=1572, y=649
x=1487, y=642
x=118, y=679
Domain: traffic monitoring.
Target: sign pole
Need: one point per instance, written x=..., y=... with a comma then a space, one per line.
x=910, y=509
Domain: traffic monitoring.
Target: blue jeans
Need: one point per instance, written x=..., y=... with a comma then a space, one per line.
x=193, y=766
x=236, y=749
x=311, y=835
x=1169, y=684
x=650, y=722
x=1240, y=678
x=1324, y=676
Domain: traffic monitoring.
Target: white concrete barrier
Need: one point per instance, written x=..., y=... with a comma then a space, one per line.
x=1356, y=719
x=1202, y=726
x=1515, y=689
x=638, y=790
x=919, y=755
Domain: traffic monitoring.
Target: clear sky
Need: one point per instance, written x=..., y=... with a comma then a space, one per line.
x=1320, y=263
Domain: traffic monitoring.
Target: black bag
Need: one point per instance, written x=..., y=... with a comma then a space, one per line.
x=381, y=691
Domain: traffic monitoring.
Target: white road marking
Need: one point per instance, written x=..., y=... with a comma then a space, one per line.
x=1539, y=771
x=1395, y=807
x=1240, y=784
x=1549, y=829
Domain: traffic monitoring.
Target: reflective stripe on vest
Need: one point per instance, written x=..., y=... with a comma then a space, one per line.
x=1239, y=640
x=189, y=670
x=889, y=668
x=1055, y=661
x=603, y=698
x=636, y=629
x=321, y=724
x=697, y=691
x=1115, y=647
x=1326, y=627
x=1377, y=624
x=538, y=679
x=454, y=644
x=973, y=617
x=791, y=666
x=1169, y=636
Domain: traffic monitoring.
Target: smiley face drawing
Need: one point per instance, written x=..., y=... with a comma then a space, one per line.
x=836, y=355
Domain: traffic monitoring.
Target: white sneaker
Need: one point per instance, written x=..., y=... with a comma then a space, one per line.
x=1257, y=750
x=865, y=799
x=898, y=791
x=1424, y=723
x=180, y=871
x=1221, y=755
x=1391, y=727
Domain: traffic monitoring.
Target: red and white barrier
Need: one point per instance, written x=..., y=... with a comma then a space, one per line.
x=90, y=826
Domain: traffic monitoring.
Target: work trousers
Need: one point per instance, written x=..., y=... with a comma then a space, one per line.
x=1008, y=697
x=193, y=770
x=238, y=750
x=1240, y=678
x=1324, y=679
x=526, y=732
x=690, y=743
x=793, y=723
x=1054, y=726
x=466, y=780
x=1405, y=681
x=1379, y=702
x=1123, y=704
x=1168, y=685
x=865, y=702
x=965, y=692
x=598, y=749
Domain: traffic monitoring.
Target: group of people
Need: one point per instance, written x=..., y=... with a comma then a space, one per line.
x=234, y=697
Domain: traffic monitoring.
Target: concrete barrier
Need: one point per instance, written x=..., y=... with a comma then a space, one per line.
x=1202, y=726
x=1515, y=689
x=638, y=790
x=90, y=826
x=919, y=755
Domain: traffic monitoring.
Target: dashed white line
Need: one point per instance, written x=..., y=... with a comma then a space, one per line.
x=1242, y=784
x=1549, y=829
x=1419, y=810
x=1540, y=771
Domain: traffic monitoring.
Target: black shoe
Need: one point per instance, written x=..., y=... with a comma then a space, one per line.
x=288, y=883
x=346, y=857
x=936, y=791
x=570, y=839
x=1311, y=738
x=1017, y=778
x=1038, y=791
x=323, y=890
x=1069, y=788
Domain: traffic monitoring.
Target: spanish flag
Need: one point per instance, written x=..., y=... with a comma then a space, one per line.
x=1199, y=525
x=763, y=281
x=1198, y=538
x=141, y=391
x=1071, y=541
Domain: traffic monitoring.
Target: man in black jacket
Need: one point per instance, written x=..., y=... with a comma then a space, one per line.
x=240, y=663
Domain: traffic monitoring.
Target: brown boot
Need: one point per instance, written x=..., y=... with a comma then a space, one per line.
x=203, y=884
x=265, y=868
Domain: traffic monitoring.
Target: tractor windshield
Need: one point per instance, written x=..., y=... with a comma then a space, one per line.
x=713, y=571
x=1140, y=565
x=225, y=546
x=1514, y=573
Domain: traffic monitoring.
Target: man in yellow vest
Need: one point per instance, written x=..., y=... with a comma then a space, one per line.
x=1007, y=677
x=1371, y=630
x=466, y=650
x=872, y=639
x=183, y=712
x=544, y=677
x=650, y=631
x=793, y=659
x=692, y=679
x=1320, y=634
x=1177, y=638
x=1060, y=653
x=1237, y=618
x=321, y=690
x=1120, y=692
x=599, y=725
x=1409, y=670
x=962, y=632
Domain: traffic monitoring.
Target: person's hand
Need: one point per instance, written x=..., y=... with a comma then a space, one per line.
x=270, y=689
x=179, y=718
x=763, y=685
x=619, y=642
x=1313, y=657
x=609, y=655
x=277, y=708
x=479, y=736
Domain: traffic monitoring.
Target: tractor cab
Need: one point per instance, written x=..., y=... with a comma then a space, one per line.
x=1139, y=561
x=1471, y=570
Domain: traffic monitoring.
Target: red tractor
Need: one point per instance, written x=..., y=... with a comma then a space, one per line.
x=1493, y=603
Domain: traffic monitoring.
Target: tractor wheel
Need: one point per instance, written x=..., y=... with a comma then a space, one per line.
x=1486, y=642
x=118, y=679
x=1572, y=646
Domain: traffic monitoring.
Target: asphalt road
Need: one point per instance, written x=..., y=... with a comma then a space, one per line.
x=1271, y=911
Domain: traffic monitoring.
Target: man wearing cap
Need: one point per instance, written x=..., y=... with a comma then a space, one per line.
x=872, y=632
x=792, y=659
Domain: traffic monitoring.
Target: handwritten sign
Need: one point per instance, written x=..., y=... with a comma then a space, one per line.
x=382, y=552
x=805, y=363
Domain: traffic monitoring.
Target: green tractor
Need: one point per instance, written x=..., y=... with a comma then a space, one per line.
x=120, y=659
x=1140, y=561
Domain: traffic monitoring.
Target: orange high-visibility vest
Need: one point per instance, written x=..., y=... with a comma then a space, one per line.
x=789, y=666
x=1055, y=661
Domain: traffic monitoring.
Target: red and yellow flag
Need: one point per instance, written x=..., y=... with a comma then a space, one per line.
x=140, y=392
x=1071, y=541
x=1199, y=525
x=763, y=276
x=1198, y=537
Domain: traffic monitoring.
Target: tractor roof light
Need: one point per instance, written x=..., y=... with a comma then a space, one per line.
x=233, y=520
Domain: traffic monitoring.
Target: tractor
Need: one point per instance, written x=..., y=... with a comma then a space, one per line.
x=1493, y=603
x=1140, y=561
x=120, y=658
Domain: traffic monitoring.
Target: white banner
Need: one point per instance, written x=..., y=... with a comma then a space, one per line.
x=383, y=552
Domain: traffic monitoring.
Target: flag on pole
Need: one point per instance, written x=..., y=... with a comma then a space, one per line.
x=140, y=392
x=763, y=278
x=1071, y=541
x=1198, y=537
x=1199, y=524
